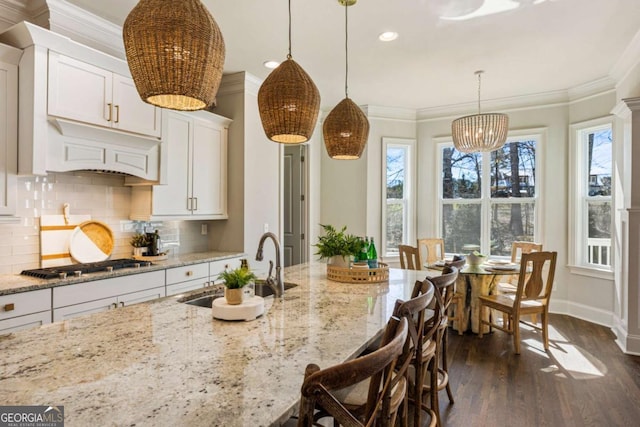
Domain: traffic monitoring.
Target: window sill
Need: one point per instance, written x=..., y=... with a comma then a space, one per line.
x=598, y=273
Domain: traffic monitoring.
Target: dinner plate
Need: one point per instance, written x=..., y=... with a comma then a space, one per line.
x=499, y=261
x=504, y=267
x=91, y=241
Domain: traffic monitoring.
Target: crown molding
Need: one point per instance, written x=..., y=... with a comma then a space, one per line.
x=588, y=90
x=13, y=11
x=85, y=27
x=629, y=59
x=378, y=112
x=240, y=82
x=515, y=103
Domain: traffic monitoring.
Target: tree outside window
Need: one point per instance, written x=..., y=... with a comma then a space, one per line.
x=489, y=199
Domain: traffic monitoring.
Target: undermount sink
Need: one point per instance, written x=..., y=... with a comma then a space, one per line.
x=205, y=299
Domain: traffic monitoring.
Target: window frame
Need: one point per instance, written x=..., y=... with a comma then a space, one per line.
x=486, y=201
x=409, y=193
x=579, y=197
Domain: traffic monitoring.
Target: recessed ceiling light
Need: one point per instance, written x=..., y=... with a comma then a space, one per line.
x=388, y=36
x=271, y=64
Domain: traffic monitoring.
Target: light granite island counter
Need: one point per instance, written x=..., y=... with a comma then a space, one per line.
x=165, y=363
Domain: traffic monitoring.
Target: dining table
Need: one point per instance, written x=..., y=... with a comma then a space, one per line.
x=476, y=280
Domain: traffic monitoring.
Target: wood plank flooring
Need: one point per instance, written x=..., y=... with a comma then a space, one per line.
x=584, y=380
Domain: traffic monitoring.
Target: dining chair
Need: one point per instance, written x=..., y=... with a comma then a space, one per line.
x=322, y=387
x=412, y=362
x=438, y=323
x=409, y=257
x=430, y=249
x=509, y=286
x=458, y=299
x=537, y=270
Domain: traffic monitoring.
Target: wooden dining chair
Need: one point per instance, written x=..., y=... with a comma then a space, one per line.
x=409, y=257
x=413, y=356
x=438, y=369
x=518, y=249
x=430, y=250
x=537, y=270
x=458, y=299
x=321, y=388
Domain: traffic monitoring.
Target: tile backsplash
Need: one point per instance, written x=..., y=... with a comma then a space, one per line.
x=104, y=197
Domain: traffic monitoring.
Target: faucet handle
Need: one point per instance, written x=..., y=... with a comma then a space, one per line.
x=270, y=268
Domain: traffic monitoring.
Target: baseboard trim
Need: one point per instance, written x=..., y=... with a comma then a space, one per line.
x=581, y=311
x=628, y=343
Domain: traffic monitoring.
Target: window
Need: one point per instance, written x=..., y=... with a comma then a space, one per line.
x=398, y=194
x=590, y=213
x=489, y=200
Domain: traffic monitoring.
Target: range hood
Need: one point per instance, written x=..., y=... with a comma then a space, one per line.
x=51, y=137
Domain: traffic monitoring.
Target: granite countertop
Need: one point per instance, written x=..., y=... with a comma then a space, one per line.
x=169, y=363
x=14, y=283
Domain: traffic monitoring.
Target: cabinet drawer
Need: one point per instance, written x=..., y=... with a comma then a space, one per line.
x=187, y=272
x=217, y=267
x=91, y=291
x=25, y=322
x=25, y=303
x=189, y=285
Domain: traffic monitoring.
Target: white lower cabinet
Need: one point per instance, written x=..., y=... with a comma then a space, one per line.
x=187, y=278
x=25, y=310
x=101, y=295
x=217, y=267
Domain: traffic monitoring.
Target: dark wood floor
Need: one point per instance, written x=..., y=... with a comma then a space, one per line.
x=584, y=380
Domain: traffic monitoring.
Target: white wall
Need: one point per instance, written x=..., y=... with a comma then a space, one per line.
x=254, y=173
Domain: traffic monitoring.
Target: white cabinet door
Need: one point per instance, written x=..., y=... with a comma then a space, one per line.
x=196, y=171
x=25, y=310
x=8, y=137
x=79, y=91
x=141, y=296
x=209, y=172
x=130, y=112
x=174, y=198
x=90, y=94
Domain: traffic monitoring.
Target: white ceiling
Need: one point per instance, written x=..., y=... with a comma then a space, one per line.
x=535, y=46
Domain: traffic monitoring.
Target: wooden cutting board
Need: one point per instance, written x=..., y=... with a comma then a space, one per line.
x=55, y=233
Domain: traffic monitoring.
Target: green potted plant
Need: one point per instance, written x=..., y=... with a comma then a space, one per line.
x=234, y=280
x=338, y=246
x=140, y=242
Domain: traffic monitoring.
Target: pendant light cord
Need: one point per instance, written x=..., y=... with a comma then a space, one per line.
x=346, y=50
x=289, y=54
x=479, y=73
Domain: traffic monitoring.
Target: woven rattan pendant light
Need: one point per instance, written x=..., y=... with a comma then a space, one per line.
x=175, y=52
x=346, y=128
x=480, y=132
x=288, y=102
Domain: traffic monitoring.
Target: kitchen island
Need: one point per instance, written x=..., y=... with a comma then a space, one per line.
x=169, y=363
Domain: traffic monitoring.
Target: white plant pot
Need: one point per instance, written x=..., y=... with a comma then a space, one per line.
x=340, y=261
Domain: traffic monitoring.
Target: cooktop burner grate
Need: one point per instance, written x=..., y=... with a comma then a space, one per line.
x=54, y=272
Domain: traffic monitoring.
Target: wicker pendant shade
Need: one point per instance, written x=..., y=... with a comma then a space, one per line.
x=289, y=103
x=175, y=52
x=480, y=132
x=346, y=128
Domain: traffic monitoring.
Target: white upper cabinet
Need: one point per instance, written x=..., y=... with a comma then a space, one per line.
x=90, y=94
x=196, y=152
x=8, y=129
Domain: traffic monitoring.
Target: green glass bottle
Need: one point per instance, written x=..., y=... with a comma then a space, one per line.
x=372, y=255
x=364, y=250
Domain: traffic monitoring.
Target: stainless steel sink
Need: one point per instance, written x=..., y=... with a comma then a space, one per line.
x=205, y=299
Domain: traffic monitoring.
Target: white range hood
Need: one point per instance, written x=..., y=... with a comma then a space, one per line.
x=78, y=110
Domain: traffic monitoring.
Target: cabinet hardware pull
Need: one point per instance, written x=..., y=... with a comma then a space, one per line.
x=117, y=114
x=189, y=203
x=189, y=273
x=196, y=199
x=110, y=112
x=114, y=305
x=9, y=307
x=121, y=303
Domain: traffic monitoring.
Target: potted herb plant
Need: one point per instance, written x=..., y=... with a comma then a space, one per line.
x=338, y=246
x=140, y=242
x=234, y=280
